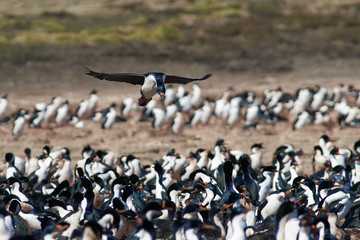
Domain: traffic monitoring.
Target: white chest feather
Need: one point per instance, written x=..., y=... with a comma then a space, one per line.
x=149, y=87
x=18, y=127
x=144, y=235
x=3, y=106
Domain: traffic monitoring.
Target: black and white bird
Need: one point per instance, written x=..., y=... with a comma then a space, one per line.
x=62, y=114
x=81, y=111
x=234, y=111
x=301, y=120
x=195, y=117
x=266, y=182
x=12, y=170
x=195, y=95
x=170, y=96
x=178, y=124
x=151, y=83
x=38, y=115
x=92, y=102
x=158, y=118
x=19, y=123
x=302, y=101
x=185, y=102
x=108, y=117
x=252, y=116
x=87, y=106
x=237, y=224
x=170, y=112
x=318, y=98
x=51, y=109
x=127, y=106
x=207, y=111
x=220, y=103
x=31, y=163
x=256, y=156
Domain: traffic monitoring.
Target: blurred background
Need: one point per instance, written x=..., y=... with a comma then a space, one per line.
x=44, y=42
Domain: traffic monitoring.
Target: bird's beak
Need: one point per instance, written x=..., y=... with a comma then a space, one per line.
x=162, y=96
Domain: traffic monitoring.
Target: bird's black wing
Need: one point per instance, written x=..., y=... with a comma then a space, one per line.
x=184, y=80
x=132, y=78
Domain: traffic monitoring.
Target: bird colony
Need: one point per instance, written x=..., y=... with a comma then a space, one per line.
x=214, y=193
x=179, y=109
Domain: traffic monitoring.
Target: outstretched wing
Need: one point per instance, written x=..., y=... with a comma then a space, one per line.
x=132, y=78
x=184, y=80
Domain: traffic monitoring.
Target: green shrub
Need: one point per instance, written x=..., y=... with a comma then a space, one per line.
x=166, y=33
x=48, y=26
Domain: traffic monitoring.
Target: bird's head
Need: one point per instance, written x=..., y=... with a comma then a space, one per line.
x=160, y=87
x=160, y=90
x=9, y=157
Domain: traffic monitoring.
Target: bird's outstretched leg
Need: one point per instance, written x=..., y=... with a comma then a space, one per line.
x=143, y=101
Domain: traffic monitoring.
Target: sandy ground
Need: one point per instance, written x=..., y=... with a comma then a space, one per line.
x=148, y=144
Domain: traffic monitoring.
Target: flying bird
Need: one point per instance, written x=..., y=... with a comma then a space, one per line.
x=151, y=83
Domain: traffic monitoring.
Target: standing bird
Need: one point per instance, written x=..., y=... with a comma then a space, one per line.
x=127, y=105
x=12, y=170
x=195, y=118
x=207, y=110
x=108, y=117
x=81, y=111
x=51, y=109
x=178, y=124
x=170, y=96
x=18, y=125
x=195, y=95
x=158, y=118
x=234, y=111
x=301, y=119
x=152, y=83
x=92, y=102
x=252, y=117
x=87, y=107
x=62, y=114
x=31, y=163
x=3, y=105
x=38, y=115
x=256, y=156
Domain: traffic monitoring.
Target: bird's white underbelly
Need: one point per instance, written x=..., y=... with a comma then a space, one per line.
x=18, y=127
x=149, y=88
x=82, y=109
x=3, y=106
x=110, y=119
x=61, y=114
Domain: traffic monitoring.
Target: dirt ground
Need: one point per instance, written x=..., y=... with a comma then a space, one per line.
x=140, y=139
